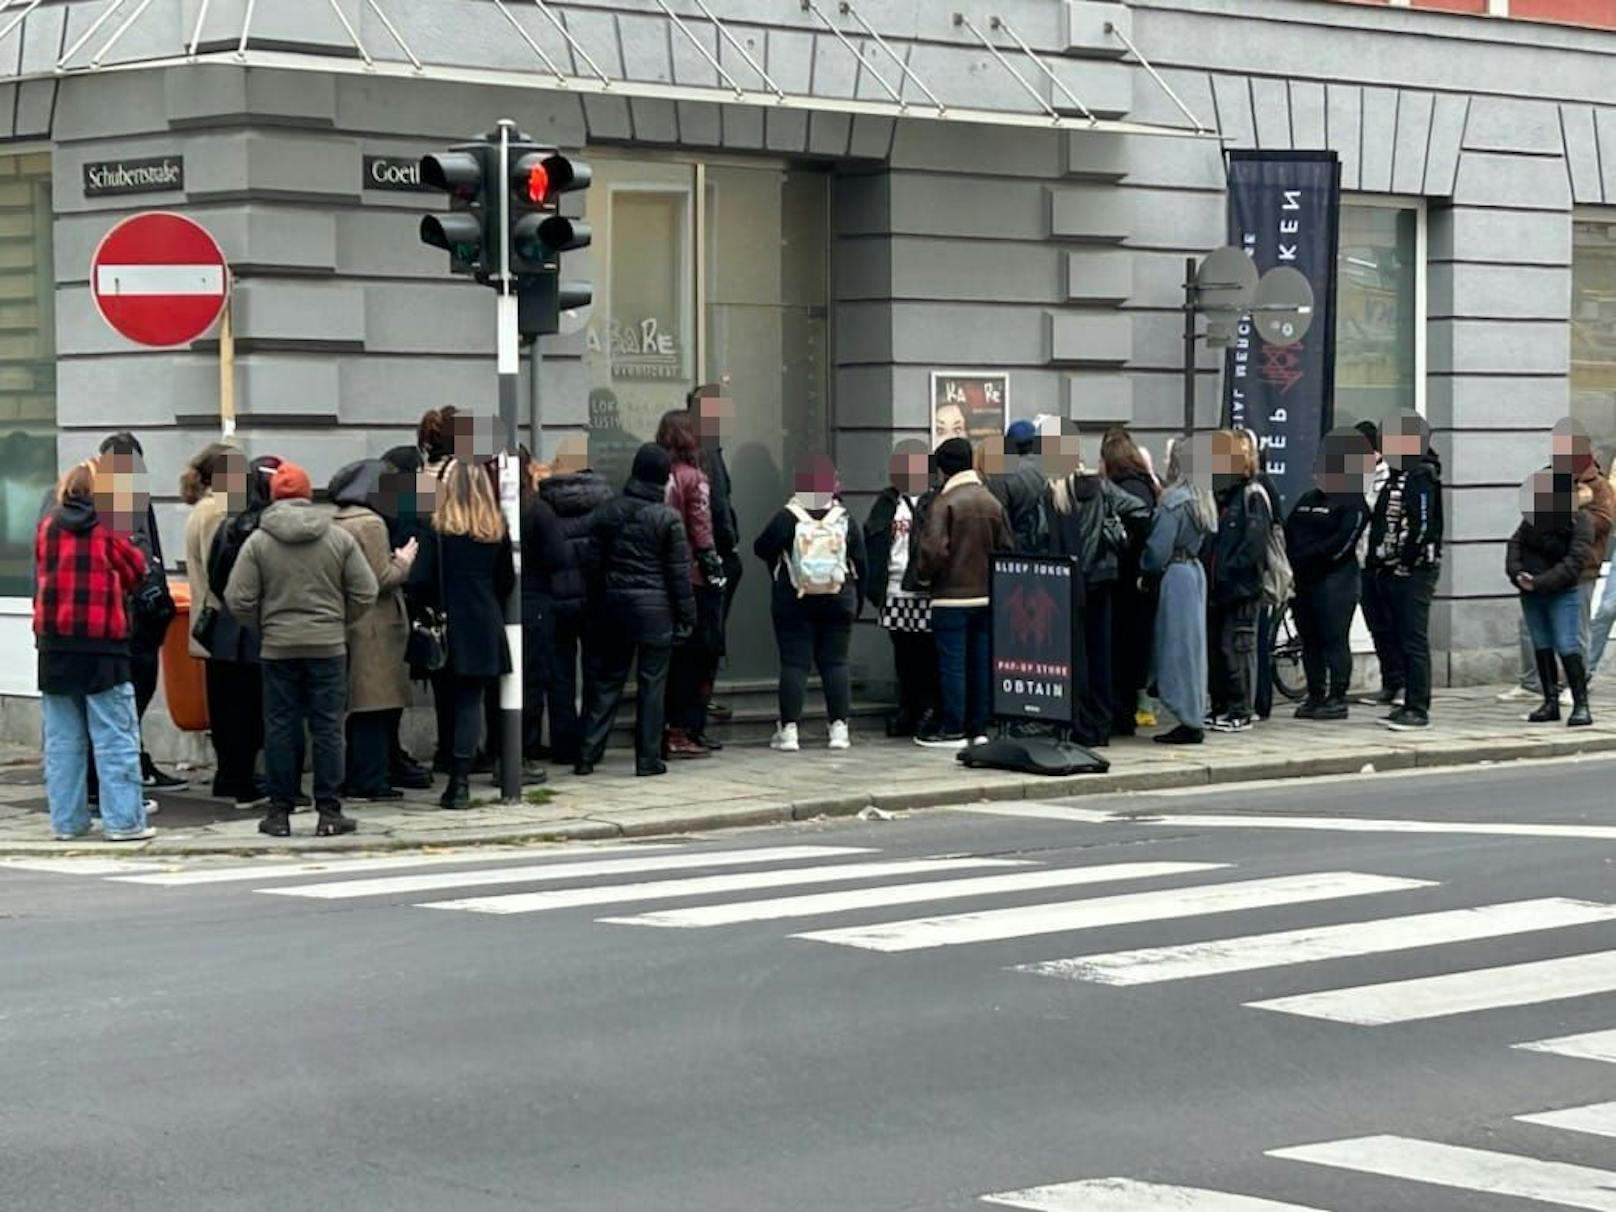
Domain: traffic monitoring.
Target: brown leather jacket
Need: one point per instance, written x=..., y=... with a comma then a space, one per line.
x=1595, y=495
x=965, y=527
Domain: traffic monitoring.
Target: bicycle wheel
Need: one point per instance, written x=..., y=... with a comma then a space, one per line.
x=1289, y=678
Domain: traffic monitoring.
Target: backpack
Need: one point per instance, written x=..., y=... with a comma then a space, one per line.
x=1278, y=581
x=816, y=562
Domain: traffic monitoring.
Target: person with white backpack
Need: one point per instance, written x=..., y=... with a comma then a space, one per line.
x=815, y=555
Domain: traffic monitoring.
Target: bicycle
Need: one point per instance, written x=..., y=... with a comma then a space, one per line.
x=1286, y=662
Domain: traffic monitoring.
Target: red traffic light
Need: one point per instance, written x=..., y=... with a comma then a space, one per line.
x=538, y=184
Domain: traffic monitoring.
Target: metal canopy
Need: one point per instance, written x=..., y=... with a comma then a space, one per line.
x=94, y=49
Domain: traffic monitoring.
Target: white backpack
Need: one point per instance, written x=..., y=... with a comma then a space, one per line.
x=817, y=560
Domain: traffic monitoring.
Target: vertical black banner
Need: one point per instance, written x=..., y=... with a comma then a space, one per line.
x=1033, y=615
x=1285, y=209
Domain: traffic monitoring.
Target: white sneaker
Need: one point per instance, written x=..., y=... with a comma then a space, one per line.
x=150, y=806
x=838, y=735
x=980, y=740
x=1516, y=694
x=1565, y=697
x=134, y=835
x=785, y=739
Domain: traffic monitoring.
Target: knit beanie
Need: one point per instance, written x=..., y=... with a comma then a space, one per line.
x=290, y=482
x=652, y=465
x=954, y=456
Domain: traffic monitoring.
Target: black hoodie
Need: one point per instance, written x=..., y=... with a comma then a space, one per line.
x=574, y=497
x=1405, y=533
x=1321, y=534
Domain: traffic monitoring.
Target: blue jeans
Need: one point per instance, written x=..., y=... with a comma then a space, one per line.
x=963, y=635
x=105, y=724
x=1554, y=621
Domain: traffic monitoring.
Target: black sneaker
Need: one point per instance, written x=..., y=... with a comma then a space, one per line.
x=938, y=739
x=276, y=824
x=1335, y=709
x=1407, y=719
x=1309, y=710
x=334, y=824
x=376, y=795
x=153, y=779
x=1384, y=697
x=1182, y=735
x=414, y=778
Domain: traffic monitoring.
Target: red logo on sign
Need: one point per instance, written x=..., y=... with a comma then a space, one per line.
x=1031, y=615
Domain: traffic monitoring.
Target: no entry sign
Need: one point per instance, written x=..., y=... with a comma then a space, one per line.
x=159, y=279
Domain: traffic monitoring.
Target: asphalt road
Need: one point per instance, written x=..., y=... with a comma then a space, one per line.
x=220, y=1045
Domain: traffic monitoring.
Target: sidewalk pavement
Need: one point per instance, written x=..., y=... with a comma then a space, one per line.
x=754, y=786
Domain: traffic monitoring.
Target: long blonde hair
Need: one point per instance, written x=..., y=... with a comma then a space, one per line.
x=467, y=505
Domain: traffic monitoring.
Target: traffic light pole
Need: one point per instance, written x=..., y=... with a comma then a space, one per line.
x=510, y=490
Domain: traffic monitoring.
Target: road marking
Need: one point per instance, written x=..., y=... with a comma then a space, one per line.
x=77, y=866
x=904, y=894
x=338, y=890
x=1479, y=1170
x=1327, y=824
x=1457, y=992
x=569, y=898
x=271, y=869
x=1599, y=1119
x=1129, y=1195
x=1594, y=1045
x=1061, y=916
x=1148, y=965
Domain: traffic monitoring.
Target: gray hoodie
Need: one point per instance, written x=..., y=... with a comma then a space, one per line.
x=299, y=582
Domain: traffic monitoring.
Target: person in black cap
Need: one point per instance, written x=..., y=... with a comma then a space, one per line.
x=640, y=585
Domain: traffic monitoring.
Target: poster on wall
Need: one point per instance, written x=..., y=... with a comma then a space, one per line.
x=968, y=404
x=1284, y=209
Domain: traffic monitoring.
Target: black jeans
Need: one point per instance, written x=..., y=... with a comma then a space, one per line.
x=651, y=663
x=1324, y=620
x=695, y=662
x=1234, y=656
x=814, y=633
x=1133, y=635
x=1093, y=708
x=236, y=722
x=1377, y=615
x=467, y=700
x=570, y=643
x=299, y=692
x=1409, y=598
x=914, y=659
x=369, y=745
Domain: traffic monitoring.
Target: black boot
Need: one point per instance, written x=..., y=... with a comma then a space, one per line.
x=1550, y=711
x=277, y=822
x=333, y=823
x=1577, y=679
x=457, y=795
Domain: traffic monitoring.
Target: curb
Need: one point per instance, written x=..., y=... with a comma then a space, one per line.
x=646, y=823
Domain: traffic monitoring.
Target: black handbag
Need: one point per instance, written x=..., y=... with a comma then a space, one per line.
x=202, y=629
x=427, y=650
x=151, y=610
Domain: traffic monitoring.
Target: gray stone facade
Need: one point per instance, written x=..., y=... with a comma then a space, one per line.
x=1054, y=254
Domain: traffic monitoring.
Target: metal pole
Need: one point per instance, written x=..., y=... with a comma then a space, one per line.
x=535, y=418
x=510, y=686
x=1189, y=345
x=227, y=371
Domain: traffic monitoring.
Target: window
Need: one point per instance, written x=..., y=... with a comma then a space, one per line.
x=1379, y=348
x=1593, y=326
x=27, y=362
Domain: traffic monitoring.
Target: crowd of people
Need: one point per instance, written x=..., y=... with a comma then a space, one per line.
x=314, y=619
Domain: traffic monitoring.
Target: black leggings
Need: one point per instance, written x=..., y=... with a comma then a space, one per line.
x=236, y=722
x=914, y=659
x=1324, y=610
x=814, y=634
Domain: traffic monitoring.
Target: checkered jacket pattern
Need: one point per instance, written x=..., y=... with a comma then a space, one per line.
x=84, y=576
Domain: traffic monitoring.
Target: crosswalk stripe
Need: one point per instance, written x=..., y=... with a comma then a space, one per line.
x=77, y=866
x=1060, y=916
x=1598, y=1119
x=1148, y=965
x=1328, y=824
x=337, y=890
x=904, y=894
x=1130, y=1195
x=1457, y=992
x=706, y=885
x=1593, y=1045
x=1477, y=1170
x=274, y=870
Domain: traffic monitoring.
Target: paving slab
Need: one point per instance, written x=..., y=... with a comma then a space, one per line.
x=745, y=786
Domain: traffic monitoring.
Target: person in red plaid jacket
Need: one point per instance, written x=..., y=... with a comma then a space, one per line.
x=85, y=570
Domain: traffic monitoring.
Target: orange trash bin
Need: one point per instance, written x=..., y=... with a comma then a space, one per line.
x=185, y=682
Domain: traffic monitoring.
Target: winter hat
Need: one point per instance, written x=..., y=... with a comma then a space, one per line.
x=1021, y=431
x=954, y=456
x=652, y=465
x=290, y=482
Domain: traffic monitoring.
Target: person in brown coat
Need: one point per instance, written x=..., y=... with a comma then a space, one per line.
x=965, y=527
x=378, y=680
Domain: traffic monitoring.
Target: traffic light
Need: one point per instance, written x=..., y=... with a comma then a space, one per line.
x=470, y=232
x=540, y=234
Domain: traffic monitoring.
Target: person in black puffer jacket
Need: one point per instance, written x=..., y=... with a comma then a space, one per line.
x=573, y=492
x=1321, y=539
x=640, y=583
x=1133, y=603
x=1234, y=597
x=1545, y=560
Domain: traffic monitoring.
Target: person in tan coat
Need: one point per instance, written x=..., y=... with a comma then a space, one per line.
x=378, y=680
